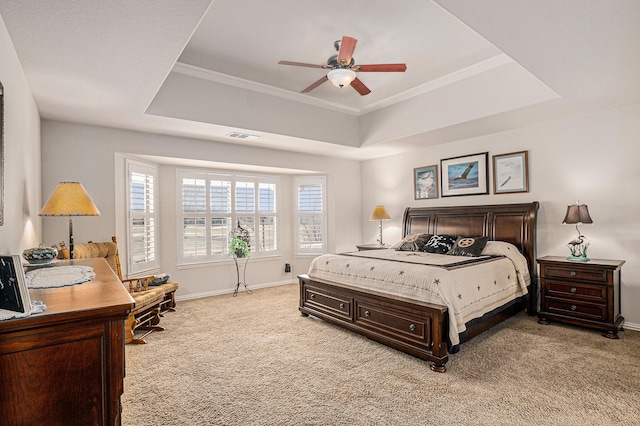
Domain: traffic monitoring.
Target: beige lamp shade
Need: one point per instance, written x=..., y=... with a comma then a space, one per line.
x=379, y=213
x=69, y=199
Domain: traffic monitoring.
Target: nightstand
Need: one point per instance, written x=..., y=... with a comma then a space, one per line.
x=581, y=293
x=376, y=246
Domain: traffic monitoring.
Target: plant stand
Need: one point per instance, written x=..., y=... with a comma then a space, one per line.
x=244, y=274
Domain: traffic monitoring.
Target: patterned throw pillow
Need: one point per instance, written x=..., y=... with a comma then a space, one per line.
x=468, y=246
x=413, y=242
x=439, y=244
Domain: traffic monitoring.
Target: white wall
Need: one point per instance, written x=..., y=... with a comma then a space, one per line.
x=591, y=158
x=22, y=226
x=95, y=156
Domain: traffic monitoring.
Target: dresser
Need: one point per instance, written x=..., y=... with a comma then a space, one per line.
x=581, y=293
x=65, y=366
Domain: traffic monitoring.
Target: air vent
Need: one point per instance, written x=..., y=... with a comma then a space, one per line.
x=239, y=135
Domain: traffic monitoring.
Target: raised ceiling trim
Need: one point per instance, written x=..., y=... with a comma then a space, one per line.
x=241, y=83
x=445, y=80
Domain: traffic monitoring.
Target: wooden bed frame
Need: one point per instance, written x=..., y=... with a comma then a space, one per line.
x=421, y=328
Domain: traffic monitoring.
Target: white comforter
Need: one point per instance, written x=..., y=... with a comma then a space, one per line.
x=468, y=292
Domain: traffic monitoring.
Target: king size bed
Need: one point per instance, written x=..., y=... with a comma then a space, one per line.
x=427, y=304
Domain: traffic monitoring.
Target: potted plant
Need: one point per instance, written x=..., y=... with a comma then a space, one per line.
x=238, y=247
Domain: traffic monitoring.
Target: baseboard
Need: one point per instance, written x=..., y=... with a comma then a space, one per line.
x=230, y=290
x=631, y=326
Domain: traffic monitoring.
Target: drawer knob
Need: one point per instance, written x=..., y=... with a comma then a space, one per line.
x=342, y=306
x=412, y=327
x=573, y=289
x=574, y=307
x=313, y=296
x=367, y=313
x=573, y=273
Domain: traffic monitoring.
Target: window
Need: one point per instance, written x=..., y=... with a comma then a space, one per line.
x=142, y=216
x=214, y=203
x=311, y=215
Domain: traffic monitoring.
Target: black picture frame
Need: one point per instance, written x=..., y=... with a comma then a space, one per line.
x=14, y=295
x=465, y=175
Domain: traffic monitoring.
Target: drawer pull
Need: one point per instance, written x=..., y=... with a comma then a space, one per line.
x=574, y=307
x=573, y=273
x=573, y=289
x=342, y=306
x=312, y=296
x=367, y=313
x=412, y=327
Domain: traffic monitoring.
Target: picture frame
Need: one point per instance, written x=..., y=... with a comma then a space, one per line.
x=510, y=173
x=425, y=182
x=14, y=295
x=465, y=175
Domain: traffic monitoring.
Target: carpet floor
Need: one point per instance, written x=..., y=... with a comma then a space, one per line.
x=254, y=360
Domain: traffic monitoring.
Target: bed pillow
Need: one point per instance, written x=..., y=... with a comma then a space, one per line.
x=413, y=242
x=440, y=244
x=468, y=246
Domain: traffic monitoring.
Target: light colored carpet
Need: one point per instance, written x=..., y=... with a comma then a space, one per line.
x=253, y=360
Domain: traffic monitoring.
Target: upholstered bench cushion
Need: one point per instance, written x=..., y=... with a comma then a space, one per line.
x=167, y=287
x=107, y=250
x=143, y=298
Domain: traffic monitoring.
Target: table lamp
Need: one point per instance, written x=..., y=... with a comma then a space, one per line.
x=69, y=199
x=379, y=213
x=577, y=214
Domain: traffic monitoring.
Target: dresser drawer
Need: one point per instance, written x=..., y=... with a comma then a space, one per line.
x=596, y=275
x=330, y=303
x=574, y=291
x=590, y=311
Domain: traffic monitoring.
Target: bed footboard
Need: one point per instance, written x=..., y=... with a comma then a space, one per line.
x=417, y=328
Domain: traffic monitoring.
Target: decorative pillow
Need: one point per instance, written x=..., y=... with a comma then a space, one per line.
x=440, y=244
x=468, y=246
x=413, y=242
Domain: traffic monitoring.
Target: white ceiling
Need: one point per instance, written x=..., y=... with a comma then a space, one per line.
x=202, y=68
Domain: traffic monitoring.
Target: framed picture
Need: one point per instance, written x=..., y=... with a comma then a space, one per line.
x=14, y=295
x=466, y=175
x=510, y=173
x=425, y=182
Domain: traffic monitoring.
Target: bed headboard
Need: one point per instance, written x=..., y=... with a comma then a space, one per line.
x=513, y=223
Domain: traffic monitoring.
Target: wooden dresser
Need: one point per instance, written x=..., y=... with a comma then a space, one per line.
x=65, y=366
x=581, y=293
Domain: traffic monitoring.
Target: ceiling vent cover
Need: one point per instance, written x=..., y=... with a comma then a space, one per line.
x=239, y=135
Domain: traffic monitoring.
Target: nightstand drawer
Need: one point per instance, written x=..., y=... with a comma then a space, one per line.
x=573, y=291
x=597, y=275
x=574, y=309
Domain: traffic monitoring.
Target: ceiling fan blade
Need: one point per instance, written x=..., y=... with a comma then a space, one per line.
x=360, y=87
x=301, y=64
x=380, y=68
x=314, y=85
x=347, y=46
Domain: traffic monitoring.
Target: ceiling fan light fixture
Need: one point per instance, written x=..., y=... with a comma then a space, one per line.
x=341, y=77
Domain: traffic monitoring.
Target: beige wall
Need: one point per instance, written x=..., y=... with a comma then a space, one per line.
x=22, y=226
x=95, y=156
x=590, y=158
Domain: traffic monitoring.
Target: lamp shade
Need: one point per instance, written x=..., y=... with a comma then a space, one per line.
x=577, y=214
x=379, y=213
x=69, y=199
x=341, y=77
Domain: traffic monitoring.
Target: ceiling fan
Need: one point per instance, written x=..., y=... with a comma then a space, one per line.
x=343, y=68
